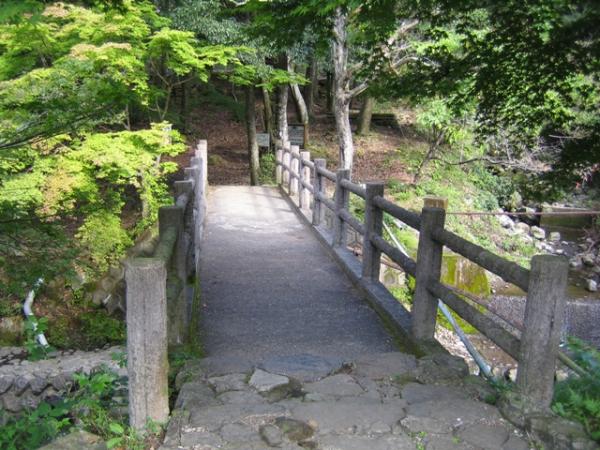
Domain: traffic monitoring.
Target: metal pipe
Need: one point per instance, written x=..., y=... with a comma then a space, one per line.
x=29, y=313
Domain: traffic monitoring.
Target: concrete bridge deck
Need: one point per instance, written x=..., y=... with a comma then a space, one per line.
x=270, y=289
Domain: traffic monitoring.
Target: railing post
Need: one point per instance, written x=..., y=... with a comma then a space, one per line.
x=371, y=258
x=429, y=266
x=147, y=363
x=286, y=163
x=278, y=168
x=544, y=314
x=295, y=170
x=304, y=172
x=342, y=198
x=318, y=188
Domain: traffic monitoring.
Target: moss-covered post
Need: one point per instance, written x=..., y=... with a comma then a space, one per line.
x=429, y=267
x=147, y=363
x=544, y=315
x=319, y=189
x=304, y=173
x=342, y=199
x=371, y=260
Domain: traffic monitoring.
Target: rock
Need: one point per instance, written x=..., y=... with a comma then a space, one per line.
x=385, y=365
x=522, y=227
x=538, y=233
x=505, y=221
x=419, y=393
x=241, y=397
x=446, y=414
x=77, y=440
x=336, y=385
x=588, y=260
x=6, y=382
x=342, y=442
x=575, y=263
x=515, y=201
x=303, y=367
x=490, y=437
x=223, y=365
x=237, y=432
x=264, y=381
x=197, y=395
x=441, y=368
x=558, y=433
x=232, y=382
x=591, y=285
x=554, y=236
x=272, y=435
x=529, y=217
x=355, y=415
x=294, y=430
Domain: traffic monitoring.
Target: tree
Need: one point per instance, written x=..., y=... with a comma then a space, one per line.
x=366, y=40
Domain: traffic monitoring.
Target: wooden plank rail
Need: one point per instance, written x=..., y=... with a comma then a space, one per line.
x=154, y=319
x=537, y=349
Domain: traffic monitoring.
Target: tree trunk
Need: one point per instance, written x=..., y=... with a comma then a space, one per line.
x=329, y=91
x=311, y=89
x=251, y=131
x=341, y=101
x=364, y=118
x=301, y=110
x=268, y=112
x=282, y=102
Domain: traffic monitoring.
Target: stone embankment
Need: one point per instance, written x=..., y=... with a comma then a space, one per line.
x=378, y=402
x=24, y=384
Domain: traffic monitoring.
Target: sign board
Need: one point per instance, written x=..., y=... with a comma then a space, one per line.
x=296, y=135
x=263, y=139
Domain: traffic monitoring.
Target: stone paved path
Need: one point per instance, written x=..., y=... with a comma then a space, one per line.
x=386, y=401
x=269, y=288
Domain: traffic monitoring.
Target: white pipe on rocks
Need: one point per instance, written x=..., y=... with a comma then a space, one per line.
x=29, y=313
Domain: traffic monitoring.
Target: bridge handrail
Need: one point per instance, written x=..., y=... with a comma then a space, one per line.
x=154, y=319
x=536, y=349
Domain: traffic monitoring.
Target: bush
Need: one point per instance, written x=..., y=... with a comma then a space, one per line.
x=267, y=169
x=578, y=397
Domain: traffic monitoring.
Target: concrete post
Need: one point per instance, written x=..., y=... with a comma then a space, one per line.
x=544, y=315
x=278, y=168
x=295, y=169
x=319, y=188
x=286, y=162
x=147, y=363
x=304, y=171
x=371, y=259
x=342, y=199
x=172, y=216
x=429, y=266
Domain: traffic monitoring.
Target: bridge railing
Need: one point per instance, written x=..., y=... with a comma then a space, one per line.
x=535, y=349
x=158, y=295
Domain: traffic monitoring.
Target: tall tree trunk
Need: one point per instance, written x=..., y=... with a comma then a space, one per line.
x=329, y=91
x=282, y=102
x=311, y=89
x=268, y=112
x=301, y=110
x=251, y=131
x=341, y=89
x=364, y=118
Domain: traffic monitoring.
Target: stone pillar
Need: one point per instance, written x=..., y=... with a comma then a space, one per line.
x=342, y=198
x=371, y=259
x=278, y=168
x=147, y=363
x=304, y=172
x=544, y=315
x=318, y=188
x=429, y=267
x=295, y=170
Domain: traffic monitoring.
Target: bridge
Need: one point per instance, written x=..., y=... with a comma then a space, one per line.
x=305, y=348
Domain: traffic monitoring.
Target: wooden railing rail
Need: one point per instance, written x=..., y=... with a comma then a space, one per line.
x=154, y=319
x=536, y=349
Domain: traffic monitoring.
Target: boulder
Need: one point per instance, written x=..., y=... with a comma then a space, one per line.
x=538, y=233
x=505, y=221
x=591, y=285
x=76, y=441
x=522, y=227
x=554, y=236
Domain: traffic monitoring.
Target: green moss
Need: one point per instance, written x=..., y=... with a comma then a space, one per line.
x=216, y=160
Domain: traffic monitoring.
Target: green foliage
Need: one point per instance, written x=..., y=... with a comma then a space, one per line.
x=99, y=329
x=89, y=406
x=267, y=169
x=578, y=398
x=33, y=327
